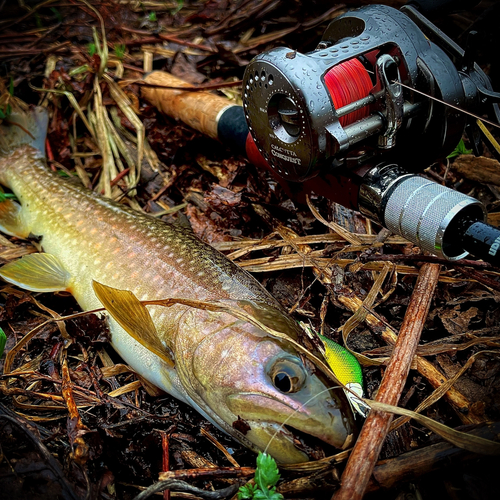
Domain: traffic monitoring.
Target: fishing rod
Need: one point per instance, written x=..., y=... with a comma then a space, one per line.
x=384, y=94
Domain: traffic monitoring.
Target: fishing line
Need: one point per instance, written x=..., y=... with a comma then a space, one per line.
x=349, y=82
x=447, y=104
x=281, y=427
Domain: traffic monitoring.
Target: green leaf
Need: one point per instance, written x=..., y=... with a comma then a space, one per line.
x=3, y=340
x=152, y=17
x=247, y=491
x=120, y=51
x=6, y=196
x=92, y=49
x=266, y=477
x=267, y=473
x=459, y=150
x=57, y=14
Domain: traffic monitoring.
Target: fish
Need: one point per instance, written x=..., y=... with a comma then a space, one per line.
x=259, y=388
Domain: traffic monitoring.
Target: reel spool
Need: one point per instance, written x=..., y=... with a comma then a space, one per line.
x=349, y=82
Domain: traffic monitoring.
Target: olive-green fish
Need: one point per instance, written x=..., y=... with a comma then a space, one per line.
x=245, y=381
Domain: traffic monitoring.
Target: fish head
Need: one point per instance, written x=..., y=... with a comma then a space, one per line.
x=268, y=395
x=252, y=380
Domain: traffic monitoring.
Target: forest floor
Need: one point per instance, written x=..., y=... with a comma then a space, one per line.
x=51, y=54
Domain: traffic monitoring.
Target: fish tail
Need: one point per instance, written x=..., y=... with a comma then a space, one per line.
x=24, y=128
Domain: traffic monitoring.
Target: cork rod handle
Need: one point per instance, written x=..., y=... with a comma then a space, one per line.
x=200, y=110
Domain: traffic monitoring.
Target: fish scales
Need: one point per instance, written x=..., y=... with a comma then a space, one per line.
x=228, y=369
x=91, y=226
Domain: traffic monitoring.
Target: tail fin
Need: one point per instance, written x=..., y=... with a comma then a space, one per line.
x=24, y=128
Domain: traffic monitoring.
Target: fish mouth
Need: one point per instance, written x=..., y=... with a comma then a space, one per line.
x=288, y=440
x=286, y=444
x=313, y=447
x=286, y=435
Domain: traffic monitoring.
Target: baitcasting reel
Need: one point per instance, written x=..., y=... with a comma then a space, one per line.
x=350, y=112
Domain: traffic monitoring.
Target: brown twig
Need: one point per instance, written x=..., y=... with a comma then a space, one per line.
x=166, y=460
x=76, y=428
x=409, y=466
x=481, y=278
x=426, y=258
x=391, y=472
x=367, y=448
x=207, y=473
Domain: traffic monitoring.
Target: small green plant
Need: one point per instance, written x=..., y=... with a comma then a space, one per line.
x=3, y=340
x=152, y=17
x=6, y=196
x=120, y=50
x=180, y=4
x=459, y=150
x=92, y=48
x=57, y=14
x=266, y=477
x=4, y=113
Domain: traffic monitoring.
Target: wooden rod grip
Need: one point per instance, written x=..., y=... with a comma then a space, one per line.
x=200, y=110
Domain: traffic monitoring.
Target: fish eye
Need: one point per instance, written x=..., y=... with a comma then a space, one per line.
x=288, y=375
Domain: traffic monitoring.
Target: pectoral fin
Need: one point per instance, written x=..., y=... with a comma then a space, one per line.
x=38, y=272
x=10, y=219
x=133, y=317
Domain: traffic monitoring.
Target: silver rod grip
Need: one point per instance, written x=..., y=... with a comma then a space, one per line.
x=421, y=210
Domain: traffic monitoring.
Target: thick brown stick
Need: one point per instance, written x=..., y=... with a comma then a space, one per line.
x=199, y=110
x=410, y=466
x=394, y=471
x=367, y=448
x=478, y=168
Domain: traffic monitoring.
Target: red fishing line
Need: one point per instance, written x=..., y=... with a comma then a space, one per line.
x=348, y=82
